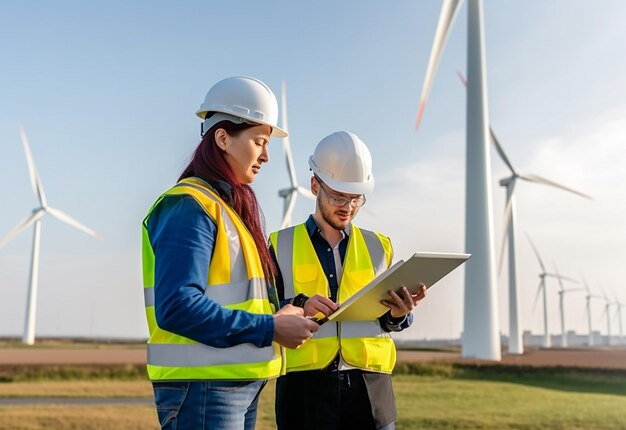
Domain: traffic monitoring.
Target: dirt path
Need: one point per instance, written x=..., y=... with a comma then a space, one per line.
x=608, y=358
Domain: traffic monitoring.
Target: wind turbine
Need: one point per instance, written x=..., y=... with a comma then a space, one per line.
x=607, y=305
x=562, y=292
x=619, y=305
x=289, y=194
x=516, y=345
x=542, y=289
x=588, y=298
x=481, y=333
x=35, y=219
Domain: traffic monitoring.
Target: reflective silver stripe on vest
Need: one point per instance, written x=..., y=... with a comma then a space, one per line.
x=351, y=329
x=180, y=355
x=376, y=250
x=326, y=330
x=237, y=291
x=284, y=255
x=225, y=294
x=148, y=296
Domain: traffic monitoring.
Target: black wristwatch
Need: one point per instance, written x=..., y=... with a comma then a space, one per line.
x=300, y=300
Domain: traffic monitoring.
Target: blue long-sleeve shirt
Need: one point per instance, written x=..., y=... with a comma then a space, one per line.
x=182, y=237
x=326, y=258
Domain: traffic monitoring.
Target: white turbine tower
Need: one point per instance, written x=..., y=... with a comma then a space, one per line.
x=35, y=219
x=481, y=334
x=542, y=289
x=562, y=292
x=289, y=194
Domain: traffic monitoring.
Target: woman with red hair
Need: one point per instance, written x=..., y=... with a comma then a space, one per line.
x=208, y=275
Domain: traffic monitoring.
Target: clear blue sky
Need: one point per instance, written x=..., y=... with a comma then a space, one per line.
x=107, y=93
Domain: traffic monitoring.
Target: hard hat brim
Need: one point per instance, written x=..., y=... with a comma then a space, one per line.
x=208, y=123
x=349, y=187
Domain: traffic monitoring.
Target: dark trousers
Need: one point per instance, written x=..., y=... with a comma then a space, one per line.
x=319, y=399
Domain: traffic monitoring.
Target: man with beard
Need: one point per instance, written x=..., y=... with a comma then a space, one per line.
x=341, y=377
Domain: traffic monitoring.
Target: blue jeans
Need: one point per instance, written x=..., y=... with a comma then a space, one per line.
x=197, y=405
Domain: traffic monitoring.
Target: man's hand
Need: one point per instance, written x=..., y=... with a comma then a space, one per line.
x=291, y=329
x=317, y=304
x=403, y=302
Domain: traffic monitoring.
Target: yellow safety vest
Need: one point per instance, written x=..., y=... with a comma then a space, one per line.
x=362, y=344
x=235, y=281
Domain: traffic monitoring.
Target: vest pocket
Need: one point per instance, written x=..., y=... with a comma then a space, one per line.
x=305, y=273
x=378, y=353
x=309, y=279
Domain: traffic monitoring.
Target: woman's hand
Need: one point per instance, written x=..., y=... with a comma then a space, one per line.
x=291, y=329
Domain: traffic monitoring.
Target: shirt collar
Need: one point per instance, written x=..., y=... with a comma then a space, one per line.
x=222, y=188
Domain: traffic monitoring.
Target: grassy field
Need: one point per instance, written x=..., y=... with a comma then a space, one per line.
x=433, y=396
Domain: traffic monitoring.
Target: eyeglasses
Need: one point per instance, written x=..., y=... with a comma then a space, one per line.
x=339, y=201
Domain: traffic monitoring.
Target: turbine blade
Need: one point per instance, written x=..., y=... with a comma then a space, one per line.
x=449, y=11
x=536, y=252
x=571, y=290
x=544, y=181
x=558, y=277
x=21, y=226
x=287, y=216
x=506, y=224
x=306, y=193
x=62, y=216
x=561, y=277
x=286, y=144
x=32, y=170
x=501, y=152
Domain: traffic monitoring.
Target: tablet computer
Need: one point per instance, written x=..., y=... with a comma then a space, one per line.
x=423, y=267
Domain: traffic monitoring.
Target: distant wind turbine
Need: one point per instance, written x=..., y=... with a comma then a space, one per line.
x=619, y=305
x=541, y=289
x=35, y=219
x=289, y=194
x=481, y=333
x=516, y=345
x=607, y=313
x=588, y=298
x=562, y=292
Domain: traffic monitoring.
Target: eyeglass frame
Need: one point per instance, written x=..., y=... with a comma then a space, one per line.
x=353, y=202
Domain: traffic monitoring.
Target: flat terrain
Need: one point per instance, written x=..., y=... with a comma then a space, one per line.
x=98, y=387
x=605, y=358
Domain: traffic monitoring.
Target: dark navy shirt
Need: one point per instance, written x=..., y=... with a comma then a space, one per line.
x=183, y=237
x=326, y=258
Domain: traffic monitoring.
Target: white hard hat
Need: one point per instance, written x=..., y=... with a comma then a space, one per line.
x=344, y=163
x=240, y=99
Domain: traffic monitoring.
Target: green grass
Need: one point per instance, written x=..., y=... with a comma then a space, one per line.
x=428, y=396
x=109, y=372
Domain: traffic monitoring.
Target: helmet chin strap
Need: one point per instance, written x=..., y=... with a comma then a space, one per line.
x=220, y=116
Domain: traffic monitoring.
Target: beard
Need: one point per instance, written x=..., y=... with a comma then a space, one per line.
x=327, y=213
